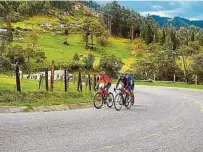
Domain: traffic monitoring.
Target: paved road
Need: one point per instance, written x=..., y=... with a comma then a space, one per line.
x=163, y=119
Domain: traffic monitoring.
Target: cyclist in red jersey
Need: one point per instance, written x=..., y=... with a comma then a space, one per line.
x=106, y=80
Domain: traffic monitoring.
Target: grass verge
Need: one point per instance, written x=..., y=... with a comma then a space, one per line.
x=42, y=98
x=171, y=84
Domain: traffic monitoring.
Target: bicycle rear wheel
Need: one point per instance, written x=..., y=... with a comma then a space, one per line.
x=97, y=101
x=110, y=100
x=118, y=102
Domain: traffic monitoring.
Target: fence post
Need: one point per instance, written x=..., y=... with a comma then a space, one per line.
x=174, y=77
x=18, y=77
x=52, y=76
x=154, y=77
x=65, y=80
x=95, y=80
x=89, y=82
x=86, y=81
x=46, y=79
x=79, y=81
x=196, y=79
x=40, y=80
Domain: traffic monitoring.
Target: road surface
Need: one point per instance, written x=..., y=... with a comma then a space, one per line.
x=162, y=120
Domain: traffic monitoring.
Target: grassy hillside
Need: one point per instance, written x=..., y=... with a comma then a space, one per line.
x=34, y=22
x=54, y=48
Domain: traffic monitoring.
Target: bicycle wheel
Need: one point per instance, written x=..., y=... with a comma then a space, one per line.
x=118, y=102
x=128, y=101
x=133, y=99
x=110, y=100
x=97, y=101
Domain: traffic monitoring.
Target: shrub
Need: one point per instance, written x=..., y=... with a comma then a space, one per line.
x=110, y=64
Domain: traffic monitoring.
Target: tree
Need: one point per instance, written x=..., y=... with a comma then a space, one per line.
x=173, y=40
x=148, y=34
x=193, y=36
x=31, y=47
x=197, y=65
x=92, y=27
x=187, y=53
x=76, y=57
x=24, y=8
x=163, y=38
x=89, y=60
x=110, y=64
x=144, y=67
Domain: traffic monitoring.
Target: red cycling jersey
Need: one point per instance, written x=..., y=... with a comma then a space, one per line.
x=105, y=78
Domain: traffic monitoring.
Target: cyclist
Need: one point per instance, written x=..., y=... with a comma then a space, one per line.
x=103, y=77
x=123, y=79
x=131, y=82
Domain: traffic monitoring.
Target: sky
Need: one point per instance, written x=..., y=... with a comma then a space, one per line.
x=192, y=10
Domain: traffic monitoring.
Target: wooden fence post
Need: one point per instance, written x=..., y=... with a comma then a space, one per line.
x=89, y=82
x=65, y=80
x=196, y=80
x=46, y=79
x=18, y=77
x=95, y=81
x=52, y=76
x=40, y=80
x=79, y=81
x=154, y=77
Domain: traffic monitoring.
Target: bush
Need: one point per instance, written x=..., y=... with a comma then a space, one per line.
x=110, y=64
x=89, y=60
x=103, y=39
x=75, y=65
x=76, y=57
x=5, y=64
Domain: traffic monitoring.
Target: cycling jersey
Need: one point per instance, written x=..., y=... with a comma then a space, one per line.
x=131, y=82
x=124, y=81
x=105, y=78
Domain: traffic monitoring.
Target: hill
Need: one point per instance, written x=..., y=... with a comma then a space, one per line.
x=176, y=22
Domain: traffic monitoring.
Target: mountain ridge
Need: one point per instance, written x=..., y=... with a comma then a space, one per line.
x=176, y=22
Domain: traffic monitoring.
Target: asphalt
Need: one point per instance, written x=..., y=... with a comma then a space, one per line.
x=162, y=120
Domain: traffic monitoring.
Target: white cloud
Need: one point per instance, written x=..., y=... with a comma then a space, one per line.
x=196, y=18
x=170, y=13
x=156, y=7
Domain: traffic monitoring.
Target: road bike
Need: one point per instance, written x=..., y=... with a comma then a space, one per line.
x=100, y=98
x=124, y=97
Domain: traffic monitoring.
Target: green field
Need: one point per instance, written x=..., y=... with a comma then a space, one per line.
x=54, y=48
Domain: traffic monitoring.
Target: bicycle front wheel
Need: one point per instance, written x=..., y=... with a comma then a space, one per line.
x=118, y=102
x=110, y=100
x=97, y=101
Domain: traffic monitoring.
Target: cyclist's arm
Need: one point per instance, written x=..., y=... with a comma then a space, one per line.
x=118, y=82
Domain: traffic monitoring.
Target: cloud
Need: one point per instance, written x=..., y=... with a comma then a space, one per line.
x=170, y=13
x=156, y=7
x=196, y=18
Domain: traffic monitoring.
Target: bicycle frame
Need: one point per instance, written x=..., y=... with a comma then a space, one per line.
x=102, y=92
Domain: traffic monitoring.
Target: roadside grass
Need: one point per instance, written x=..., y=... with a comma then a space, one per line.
x=31, y=96
x=171, y=84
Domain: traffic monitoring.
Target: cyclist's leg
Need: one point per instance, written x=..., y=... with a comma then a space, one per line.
x=107, y=87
